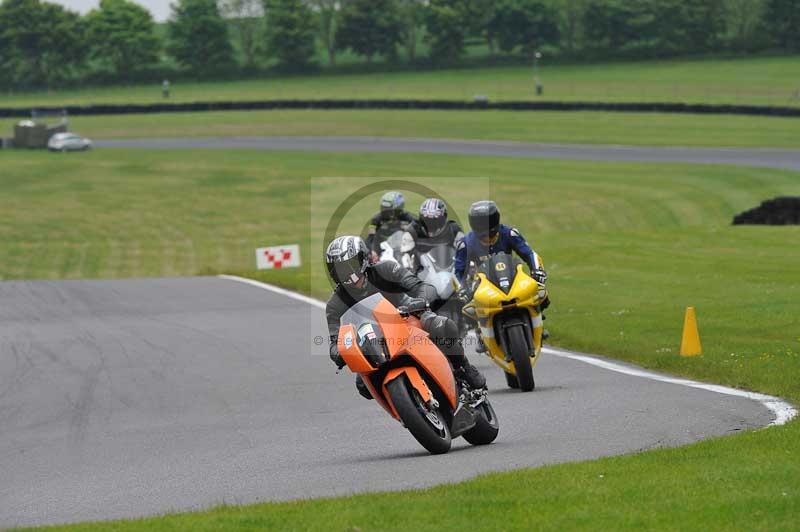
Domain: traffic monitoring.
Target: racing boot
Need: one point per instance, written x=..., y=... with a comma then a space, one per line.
x=362, y=388
x=471, y=375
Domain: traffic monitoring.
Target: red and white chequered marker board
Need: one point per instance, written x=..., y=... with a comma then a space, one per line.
x=277, y=257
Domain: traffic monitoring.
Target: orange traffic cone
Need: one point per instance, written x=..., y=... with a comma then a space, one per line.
x=690, y=343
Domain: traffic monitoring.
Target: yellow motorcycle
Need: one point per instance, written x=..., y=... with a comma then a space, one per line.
x=505, y=305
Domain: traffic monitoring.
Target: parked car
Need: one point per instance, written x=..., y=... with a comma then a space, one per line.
x=68, y=142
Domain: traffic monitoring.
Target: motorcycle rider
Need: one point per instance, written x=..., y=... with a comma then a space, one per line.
x=347, y=259
x=432, y=228
x=489, y=236
x=392, y=217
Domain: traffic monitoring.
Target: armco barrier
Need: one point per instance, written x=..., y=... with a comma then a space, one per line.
x=628, y=107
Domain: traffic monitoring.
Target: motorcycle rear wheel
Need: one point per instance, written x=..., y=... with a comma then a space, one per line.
x=486, y=428
x=521, y=357
x=426, y=424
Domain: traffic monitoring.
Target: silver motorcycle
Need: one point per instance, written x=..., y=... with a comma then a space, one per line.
x=437, y=268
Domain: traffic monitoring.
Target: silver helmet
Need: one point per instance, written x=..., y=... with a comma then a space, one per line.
x=347, y=259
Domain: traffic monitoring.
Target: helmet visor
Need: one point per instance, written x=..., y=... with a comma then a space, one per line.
x=489, y=238
x=388, y=214
x=434, y=225
x=348, y=271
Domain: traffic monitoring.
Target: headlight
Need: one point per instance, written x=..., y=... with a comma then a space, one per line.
x=372, y=345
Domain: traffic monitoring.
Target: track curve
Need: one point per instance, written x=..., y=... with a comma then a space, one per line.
x=136, y=397
x=759, y=157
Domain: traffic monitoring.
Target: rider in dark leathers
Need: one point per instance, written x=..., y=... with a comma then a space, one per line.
x=348, y=264
x=433, y=228
x=392, y=217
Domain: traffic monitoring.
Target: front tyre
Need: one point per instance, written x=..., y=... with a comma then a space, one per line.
x=511, y=380
x=521, y=356
x=425, y=423
x=486, y=428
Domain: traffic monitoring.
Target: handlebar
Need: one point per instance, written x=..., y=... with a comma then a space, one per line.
x=414, y=308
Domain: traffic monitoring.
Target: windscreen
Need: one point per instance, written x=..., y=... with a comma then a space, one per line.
x=369, y=336
x=395, y=240
x=500, y=270
x=443, y=257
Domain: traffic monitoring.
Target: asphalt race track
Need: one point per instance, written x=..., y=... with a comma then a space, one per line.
x=128, y=398
x=763, y=157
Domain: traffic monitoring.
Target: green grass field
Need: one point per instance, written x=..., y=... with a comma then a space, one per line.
x=648, y=129
x=761, y=81
x=628, y=247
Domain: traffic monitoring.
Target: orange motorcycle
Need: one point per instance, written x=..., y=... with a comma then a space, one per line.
x=410, y=378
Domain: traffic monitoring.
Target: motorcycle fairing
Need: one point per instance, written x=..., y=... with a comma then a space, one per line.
x=350, y=351
x=489, y=302
x=405, y=338
x=416, y=380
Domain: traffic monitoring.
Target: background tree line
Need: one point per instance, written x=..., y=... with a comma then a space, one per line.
x=44, y=45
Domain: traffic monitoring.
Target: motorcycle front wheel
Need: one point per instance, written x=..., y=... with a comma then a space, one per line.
x=424, y=422
x=521, y=357
x=511, y=380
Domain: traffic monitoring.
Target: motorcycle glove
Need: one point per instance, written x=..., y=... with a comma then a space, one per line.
x=464, y=296
x=362, y=388
x=336, y=357
x=540, y=275
x=414, y=305
x=544, y=304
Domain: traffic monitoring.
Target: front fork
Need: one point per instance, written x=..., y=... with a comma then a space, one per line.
x=534, y=330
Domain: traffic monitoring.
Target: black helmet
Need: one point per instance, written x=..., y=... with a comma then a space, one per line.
x=392, y=205
x=433, y=216
x=484, y=219
x=347, y=259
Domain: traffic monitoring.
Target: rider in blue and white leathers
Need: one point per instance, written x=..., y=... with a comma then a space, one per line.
x=488, y=237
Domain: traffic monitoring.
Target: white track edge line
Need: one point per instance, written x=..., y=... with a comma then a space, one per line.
x=782, y=410
x=276, y=289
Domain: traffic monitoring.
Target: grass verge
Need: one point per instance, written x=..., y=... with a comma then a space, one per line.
x=645, y=129
x=628, y=246
x=762, y=81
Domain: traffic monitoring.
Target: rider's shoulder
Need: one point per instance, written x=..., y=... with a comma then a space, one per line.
x=513, y=232
x=376, y=219
x=454, y=226
x=387, y=269
x=471, y=239
x=335, y=301
x=415, y=228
